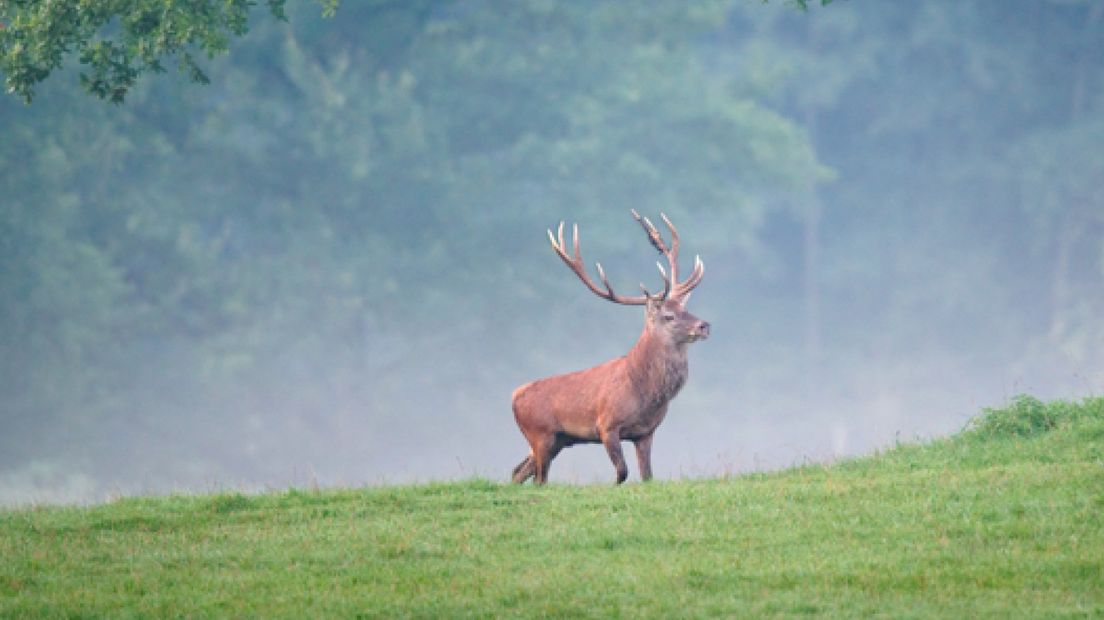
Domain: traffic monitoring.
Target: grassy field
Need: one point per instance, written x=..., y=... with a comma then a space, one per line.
x=1003, y=520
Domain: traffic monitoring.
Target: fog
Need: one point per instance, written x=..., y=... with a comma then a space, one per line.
x=329, y=267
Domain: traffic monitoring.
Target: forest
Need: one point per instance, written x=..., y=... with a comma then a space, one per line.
x=329, y=264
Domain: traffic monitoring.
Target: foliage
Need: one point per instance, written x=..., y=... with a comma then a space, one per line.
x=117, y=41
x=957, y=527
x=1026, y=416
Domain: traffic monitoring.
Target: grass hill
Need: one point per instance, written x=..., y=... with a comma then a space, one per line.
x=1001, y=520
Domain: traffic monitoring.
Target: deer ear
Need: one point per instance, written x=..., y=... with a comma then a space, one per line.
x=685, y=299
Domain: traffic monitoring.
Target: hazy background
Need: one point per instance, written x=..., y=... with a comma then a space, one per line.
x=330, y=265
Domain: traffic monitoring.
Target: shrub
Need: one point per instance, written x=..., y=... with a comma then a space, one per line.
x=1025, y=416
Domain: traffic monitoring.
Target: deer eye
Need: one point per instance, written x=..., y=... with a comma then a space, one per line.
x=668, y=317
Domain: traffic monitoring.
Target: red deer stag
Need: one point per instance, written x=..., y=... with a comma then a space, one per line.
x=623, y=399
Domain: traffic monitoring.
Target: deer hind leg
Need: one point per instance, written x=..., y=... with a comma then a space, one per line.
x=612, y=441
x=525, y=470
x=543, y=453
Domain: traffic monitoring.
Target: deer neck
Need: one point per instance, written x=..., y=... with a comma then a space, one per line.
x=657, y=367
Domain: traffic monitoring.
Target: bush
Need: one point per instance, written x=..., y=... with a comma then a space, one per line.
x=1027, y=416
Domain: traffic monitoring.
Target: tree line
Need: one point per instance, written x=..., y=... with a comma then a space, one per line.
x=345, y=226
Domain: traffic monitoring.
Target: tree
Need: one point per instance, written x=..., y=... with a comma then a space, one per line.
x=118, y=40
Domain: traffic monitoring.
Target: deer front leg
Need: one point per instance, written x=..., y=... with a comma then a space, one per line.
x=612, y=440
x=542, y=459
x=644, y=456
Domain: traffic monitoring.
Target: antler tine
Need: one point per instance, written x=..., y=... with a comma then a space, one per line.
x=666, y=285
x=698, y=272
x=650, y=230
x=605, y=281
x=671, y=253
x=683, y=289
x=556, y=246
x=666, y=280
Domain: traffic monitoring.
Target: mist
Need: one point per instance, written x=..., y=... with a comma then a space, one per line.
x=330, y=265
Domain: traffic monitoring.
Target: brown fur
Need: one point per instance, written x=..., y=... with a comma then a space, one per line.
x=621, y=400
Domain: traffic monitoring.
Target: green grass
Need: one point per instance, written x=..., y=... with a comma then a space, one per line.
x=1002, y=520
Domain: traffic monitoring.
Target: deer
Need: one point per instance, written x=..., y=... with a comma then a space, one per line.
x=624, y=399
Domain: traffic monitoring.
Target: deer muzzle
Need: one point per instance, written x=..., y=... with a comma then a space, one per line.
x=701, y=330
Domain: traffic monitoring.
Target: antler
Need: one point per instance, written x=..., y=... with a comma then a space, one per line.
x=680, y=289
x=671, y=286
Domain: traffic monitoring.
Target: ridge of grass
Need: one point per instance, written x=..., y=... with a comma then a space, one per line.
x=1001, y=520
